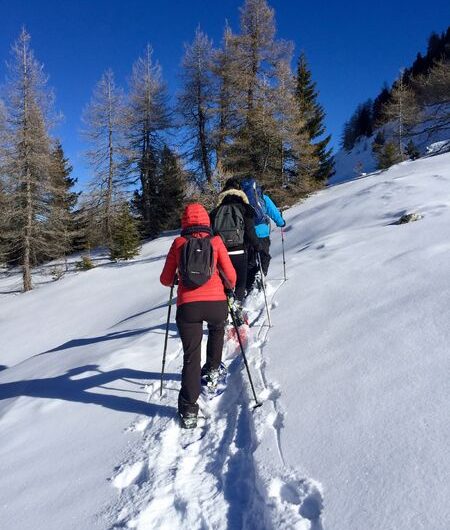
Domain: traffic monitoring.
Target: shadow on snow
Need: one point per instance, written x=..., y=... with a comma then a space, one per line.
x=66, y=388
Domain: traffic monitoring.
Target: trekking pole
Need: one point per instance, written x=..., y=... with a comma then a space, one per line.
x=166, y=337
x=284, y=256
x=264, y=289
x=233, y=318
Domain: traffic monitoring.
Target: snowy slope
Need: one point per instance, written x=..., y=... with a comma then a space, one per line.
x=360, y=160
x=353, y=433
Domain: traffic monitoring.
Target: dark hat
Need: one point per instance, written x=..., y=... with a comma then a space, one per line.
x=232, y=183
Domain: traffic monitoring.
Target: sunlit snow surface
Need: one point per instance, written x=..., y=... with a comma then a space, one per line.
x=354, y=375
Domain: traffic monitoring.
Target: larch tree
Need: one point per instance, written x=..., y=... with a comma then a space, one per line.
x=252, y=147
x=4, y=216
x=147, y=118
x=104, y=125
x=226, y=71
x=401, y=109
x=433, y=96
x=195, y=104
x=28, y=158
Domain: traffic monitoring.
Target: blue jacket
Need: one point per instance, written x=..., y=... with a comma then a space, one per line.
x=263, y=229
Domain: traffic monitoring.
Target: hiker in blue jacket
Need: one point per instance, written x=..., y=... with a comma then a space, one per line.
x=262, y=230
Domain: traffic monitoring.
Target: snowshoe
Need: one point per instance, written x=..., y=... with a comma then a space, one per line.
x=214, y=381
x=188, y=420
x=259, y=285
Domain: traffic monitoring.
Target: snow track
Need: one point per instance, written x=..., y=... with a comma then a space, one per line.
x=208, y=478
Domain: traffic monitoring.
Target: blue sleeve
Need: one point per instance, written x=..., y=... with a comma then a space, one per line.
x=273, y=212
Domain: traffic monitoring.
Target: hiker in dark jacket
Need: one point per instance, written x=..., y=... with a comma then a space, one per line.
x=237, y=246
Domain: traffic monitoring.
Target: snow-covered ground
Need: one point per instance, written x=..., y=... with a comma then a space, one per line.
x=354, y=378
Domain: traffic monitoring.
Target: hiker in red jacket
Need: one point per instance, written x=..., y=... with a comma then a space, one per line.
x=196, y=305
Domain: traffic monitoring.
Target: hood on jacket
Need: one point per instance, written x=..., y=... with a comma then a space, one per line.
x=237, y=193
x=195, y=215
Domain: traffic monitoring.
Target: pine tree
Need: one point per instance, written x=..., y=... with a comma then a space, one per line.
x=298, y=161
x=62, y=200
x=124, y=242
x=147, y=119
x=378, y=104
x=104, y=123
x=360, y=124
x=388, y=155
x=195, y=104
x=313, y=114
x=172, y=189
x=412, y=151
x=28, y=158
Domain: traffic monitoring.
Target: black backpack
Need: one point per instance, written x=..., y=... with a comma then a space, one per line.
x=196, y=261
x=229, y=224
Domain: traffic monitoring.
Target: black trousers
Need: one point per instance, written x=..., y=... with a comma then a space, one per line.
x=239, y=262
x=190, y=318
x=253, y=267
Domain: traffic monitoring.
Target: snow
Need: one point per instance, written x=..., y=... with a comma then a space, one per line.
x=353, y=432
x=438, y=147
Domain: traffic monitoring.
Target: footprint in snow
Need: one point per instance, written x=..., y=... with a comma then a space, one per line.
x=302, y=497
x=130, y=474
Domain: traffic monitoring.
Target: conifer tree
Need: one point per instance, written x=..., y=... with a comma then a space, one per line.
x=124, y=242
x=403, y=111
x=313, y=115
x=297, y=158
x=226, y=71
x=411, y=150
x=104, y=123
x=254, y=147
x=388, y=155
x=28, y=158
x=4, y=216
x=172, y=189
x=195, y=104
x=433, y=96
x=62, y=200
x=147, y=119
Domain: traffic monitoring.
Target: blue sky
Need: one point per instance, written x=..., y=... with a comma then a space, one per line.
x=352, y=47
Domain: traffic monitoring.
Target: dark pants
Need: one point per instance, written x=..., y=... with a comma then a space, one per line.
x=190, y=318
x=253, y=266
x=239, y=262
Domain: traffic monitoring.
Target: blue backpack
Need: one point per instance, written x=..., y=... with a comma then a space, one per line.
x=255, y=198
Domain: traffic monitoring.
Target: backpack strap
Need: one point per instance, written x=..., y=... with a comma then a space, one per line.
x=196, y=228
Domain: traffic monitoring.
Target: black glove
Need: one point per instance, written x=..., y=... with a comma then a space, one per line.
x=230, y=293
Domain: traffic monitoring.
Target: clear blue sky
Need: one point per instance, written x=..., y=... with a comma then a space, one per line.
x=352, y=47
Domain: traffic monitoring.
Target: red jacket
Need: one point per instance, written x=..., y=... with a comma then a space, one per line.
x=213, y=289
